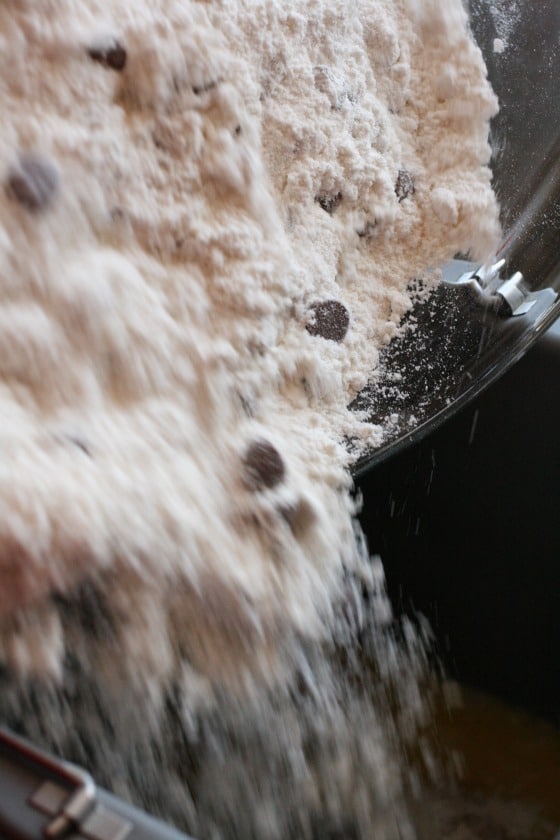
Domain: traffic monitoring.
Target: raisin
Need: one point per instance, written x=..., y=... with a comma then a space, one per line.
x=330, y=320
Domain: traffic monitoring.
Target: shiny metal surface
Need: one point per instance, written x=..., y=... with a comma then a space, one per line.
x=460, y=347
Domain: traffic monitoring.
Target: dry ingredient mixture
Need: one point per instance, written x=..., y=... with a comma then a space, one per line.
x=214, y=216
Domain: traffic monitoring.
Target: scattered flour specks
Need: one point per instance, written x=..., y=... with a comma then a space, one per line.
x=506, y=15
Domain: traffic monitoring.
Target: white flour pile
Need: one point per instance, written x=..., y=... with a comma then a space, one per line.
x=211, y=217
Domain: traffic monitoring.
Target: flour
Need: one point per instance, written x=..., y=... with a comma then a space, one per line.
x=506, y=17
x=210, y=174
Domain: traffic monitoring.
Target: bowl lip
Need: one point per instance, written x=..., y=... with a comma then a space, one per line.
x=537, y=326
x=526, y=226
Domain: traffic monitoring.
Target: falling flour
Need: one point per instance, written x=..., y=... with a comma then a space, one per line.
x=215, y=215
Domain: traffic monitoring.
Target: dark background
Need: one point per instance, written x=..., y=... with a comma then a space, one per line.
x=467, y=524
x=468, y=521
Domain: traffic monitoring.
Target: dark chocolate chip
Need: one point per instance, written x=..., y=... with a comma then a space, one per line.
x=329, y=201
x=330, y=320
x=33, y=182
x=198, y=90
x=238, y=130
x=263, y=466
x=404, y=185
x=113, y=56
x=299, y=516
x=368, y=230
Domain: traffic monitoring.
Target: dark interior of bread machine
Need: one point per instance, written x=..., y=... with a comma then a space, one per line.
x=465, y=518
x=466, y=524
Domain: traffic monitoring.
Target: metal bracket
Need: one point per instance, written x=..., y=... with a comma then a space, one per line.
x=68, y=795
x=508, y=298
x=76, y=804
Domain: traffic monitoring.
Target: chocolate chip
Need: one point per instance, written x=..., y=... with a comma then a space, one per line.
x=198, y=90
x=404, y=185
x=368, y=230
x=329, y=201
x=33, y=182
x=330, y=320
x=263, y=466
x=298, y=515
x=113, y=56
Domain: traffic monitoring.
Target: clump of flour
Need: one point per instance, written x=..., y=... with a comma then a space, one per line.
x=505, y=16
x=225, y=209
